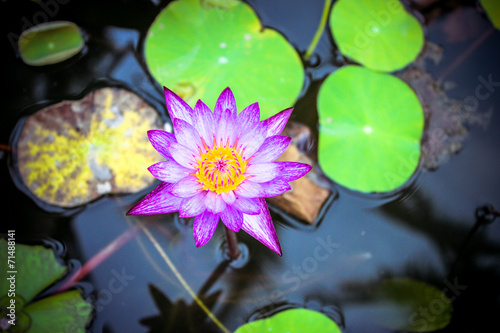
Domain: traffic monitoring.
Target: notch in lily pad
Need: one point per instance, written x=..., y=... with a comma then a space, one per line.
x=198, y=50
x=370, y=129
x=50, y=43
x=37, y=268
x=379, y=34
x=292, y=320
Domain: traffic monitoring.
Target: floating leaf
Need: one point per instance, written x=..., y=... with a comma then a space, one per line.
x=35, y=269
x=66, y=312
x=492, y=8
x=405, y=304
x=292, y=320
x=379, y=34
x=197, y=51
x=50, y=43
x=73, y=152
x=36, y=266
x=370, y=129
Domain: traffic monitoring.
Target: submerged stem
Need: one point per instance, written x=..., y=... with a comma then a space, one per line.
x=233, y=250
x=319, y=32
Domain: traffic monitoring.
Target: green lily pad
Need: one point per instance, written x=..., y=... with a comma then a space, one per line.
x=378, y=34
x=71, y=153
x=197, y=51
x=293, y=320
x=66, y=312
x=36, y=266
x=492, y=8
x=370, y=129
x=405, y=304
x=50, y=43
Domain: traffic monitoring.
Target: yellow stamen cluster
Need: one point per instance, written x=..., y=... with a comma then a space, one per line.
x=221, y=168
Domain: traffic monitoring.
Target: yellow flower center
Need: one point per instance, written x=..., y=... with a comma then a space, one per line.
x=221, y=168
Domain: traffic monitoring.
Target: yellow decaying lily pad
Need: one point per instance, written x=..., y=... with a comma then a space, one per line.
x=72, y=152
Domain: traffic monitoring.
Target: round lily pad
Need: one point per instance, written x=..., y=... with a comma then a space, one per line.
x=370, y=129
x=292, y=320
x=492, y=8
x=73, y=152
x=198, y=50
x=379, y=34
x=50, y=43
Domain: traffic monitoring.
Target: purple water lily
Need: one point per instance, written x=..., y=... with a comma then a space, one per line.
x=220, y=165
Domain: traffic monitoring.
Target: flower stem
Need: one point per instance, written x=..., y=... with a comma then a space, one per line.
x=233, y=250
x=319, y=32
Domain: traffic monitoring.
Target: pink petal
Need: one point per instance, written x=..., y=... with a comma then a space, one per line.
x=186, y=187
x=204, y=227
x=158, y=201
x=193, y=206
x=275, y=187
x=203, y=121
x=293, y=170
x=214, y=202
x=247, y=206
x=228, y=197
x=263, y=172
x=177, y=108
x=169, y=171
x=232, y=218
x=249, y=189
x=183, y=155
x=225, y=101
x=252, y=140
x=186, y=134
x=161, y=140
x=225, y=128
x=271, y=149
x=249, y=117
x=276, y=123
x=261, y=227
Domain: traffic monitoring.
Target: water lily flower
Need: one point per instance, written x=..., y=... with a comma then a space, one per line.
x=220, y=166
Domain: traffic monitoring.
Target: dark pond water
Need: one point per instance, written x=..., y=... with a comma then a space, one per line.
x=419, y=232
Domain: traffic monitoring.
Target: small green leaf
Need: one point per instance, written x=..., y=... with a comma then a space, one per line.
x=492, y=8
x=198, y=51
x=36, y=266
x=404, y=304
x=378, y=34
x=50, y=43
x=293, y=320
x=370, y=129
x=66, y=312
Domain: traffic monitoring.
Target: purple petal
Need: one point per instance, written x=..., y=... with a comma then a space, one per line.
x=275, y=187
x=228, y=197
x=263, y=172
x=247, y=206
x=193, y=206
x=186, y=134
x=225, y=101
x=293, y=170
x=204, y=227
x=252, y=140
x=276, y=123
x=261, y=228
x=203, y=121
x=158, y=201
x=169, y=171
x=183, y=155
x=249, y=189
x=161, y=140
x=225, y=128
x=186, y=187
x=232, y=218
x=214, y=202
x=249, y=117
x=177, y=108
x=271, y=149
